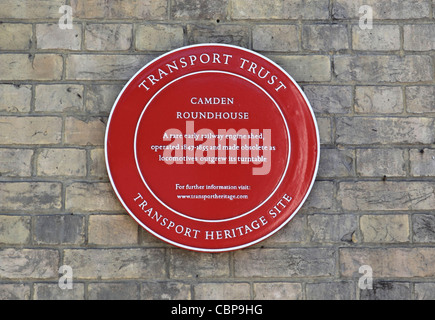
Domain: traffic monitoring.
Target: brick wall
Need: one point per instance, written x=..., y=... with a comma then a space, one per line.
x=373, y=203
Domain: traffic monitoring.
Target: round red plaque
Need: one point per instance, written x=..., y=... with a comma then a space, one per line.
x=212, y=147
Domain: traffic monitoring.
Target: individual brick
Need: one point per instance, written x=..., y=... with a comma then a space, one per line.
x=324, y=37
x=293, y=232
x=423, y=228
x=385, y=228
x=15, y=98
x=380, y=38
x=101, y=98
x=284, y=262
x=159, y=37
x=321, y=196
x=420, y=99
x=425, y=291
x=405, y=9
x=387, y=290
x=389, y=196
x=284, y=38
x=22, y=264
x=27, y=10
x=116, y=264
x=222, y=291
x=381, y=162
x=90, y=197
x=30, y=130
x=378, y=99
x=112, y=230
x=343, y=290
x=238, y=35
x=336, y=163
x=14, y=291
x=61, y=162
x=277, y=9
x=104, y=67
x=59, y=229
x=113, y=291
x=120, y=9
x=329, y=99
x=14, y=230
x=187, y=264
x=385, y=131
x=388, y=262
x=422, y=162
x=16, y=162
x=278, y=291
x=58, y=98
x=419, y=37
x=198, y=9
x=97, y=163
x=31, y=67
x=383, y=68
x=14, y=36
x=50, y=36
x=108, y=37
x=84, y=131
x=52, y=291
x=30, y=196
x=325, y=130
x=165, y=290
x=332, y=228
x=305, y=68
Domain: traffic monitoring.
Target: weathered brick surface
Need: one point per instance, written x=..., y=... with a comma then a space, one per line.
x=116, y=263
x=184, y=264
x=278, y=291
x=88, y=197
x=381, y=162
x=130, y=9
x=325, y=37
x=31, y=67
x=30, y=130
x=61, y=162
x=275, y=38
x=30, y=196
x=58, y=98
x=383, y=68
x=15, y=98
x=16, y=162
x=159, y=37
x=29, y=263
x=388, y=262
x=407, y=9
x=165, y=290
x=343, y=290
x=420, y=99
x=373, y=93
x=419, y=37
x=15, y=36
x=374, y=196
x=27, y=10
x=378, y=100
x=292, y=263
x=222, y=291
x=381, y=38
x=108, y=37
x=50, y=36
x=14, y=229
x=385, y=131
x=385, y=228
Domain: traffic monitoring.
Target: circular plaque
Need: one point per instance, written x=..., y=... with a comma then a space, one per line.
x=212, y=147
